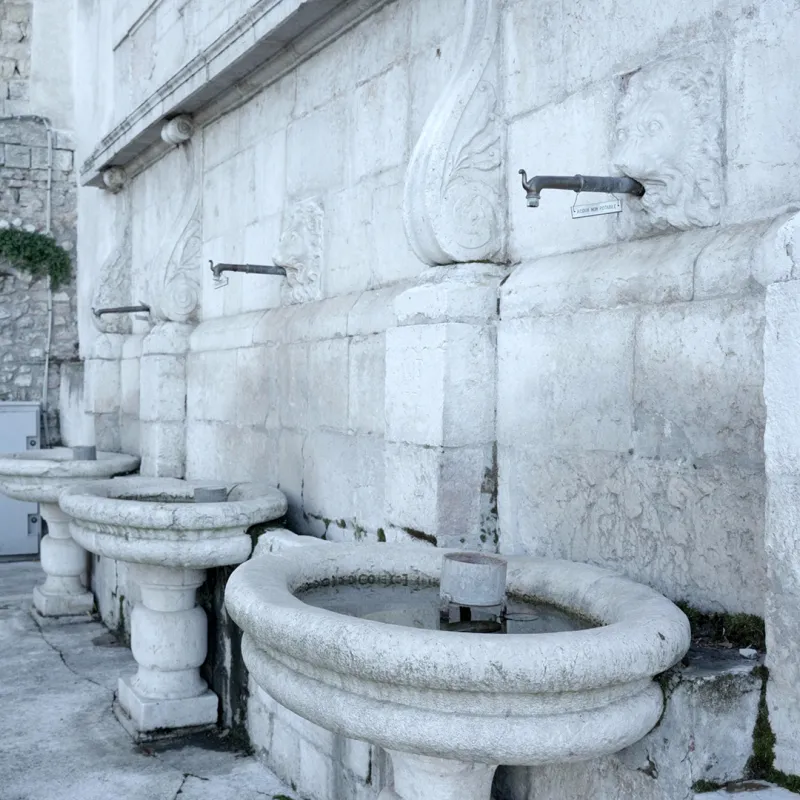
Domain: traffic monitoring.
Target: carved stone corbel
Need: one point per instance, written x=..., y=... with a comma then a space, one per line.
x=114, y=179
x=300, y=252
x=453, y=208
x=177, y=130
x=174, y=278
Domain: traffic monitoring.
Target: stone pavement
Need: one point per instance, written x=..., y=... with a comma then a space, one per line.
x=59, y=739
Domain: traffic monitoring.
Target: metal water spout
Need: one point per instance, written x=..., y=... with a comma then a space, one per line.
x=578, y=183
x=257, y=269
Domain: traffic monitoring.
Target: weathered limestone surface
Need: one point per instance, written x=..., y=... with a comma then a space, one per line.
x=613, y=414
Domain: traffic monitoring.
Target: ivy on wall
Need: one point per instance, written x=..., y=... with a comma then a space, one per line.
x=37, y=254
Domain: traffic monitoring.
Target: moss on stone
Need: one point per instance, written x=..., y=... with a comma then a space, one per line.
x=760, y=766
x=738, y=630
x=700, y=787
x=381, y=535
x=421, y=535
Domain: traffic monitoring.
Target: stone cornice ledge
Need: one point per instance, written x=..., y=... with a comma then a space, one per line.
x=267, y=42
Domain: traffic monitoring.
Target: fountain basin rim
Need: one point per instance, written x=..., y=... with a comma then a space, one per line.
x=58, y=463
x=643, y=632
x=113, y=504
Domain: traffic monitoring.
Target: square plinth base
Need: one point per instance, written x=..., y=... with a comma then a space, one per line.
x=63, y=605
x=145, y=718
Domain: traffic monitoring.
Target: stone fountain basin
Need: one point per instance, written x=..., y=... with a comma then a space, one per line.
x=487, y=698
x=39, y=476
x=155, y=521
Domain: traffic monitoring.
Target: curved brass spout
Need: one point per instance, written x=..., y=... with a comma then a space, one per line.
x=577, y=183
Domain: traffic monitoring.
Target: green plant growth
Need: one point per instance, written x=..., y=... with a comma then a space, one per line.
x=737, y=630
x=760, y=765
x=37, y=254
x=700, y=787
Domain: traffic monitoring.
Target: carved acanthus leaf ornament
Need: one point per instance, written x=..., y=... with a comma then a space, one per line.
x=453, y=208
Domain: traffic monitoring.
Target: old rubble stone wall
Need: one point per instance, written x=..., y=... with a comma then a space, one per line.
x=23, y=198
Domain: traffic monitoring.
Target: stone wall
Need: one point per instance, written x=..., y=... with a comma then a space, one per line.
x=24, y=178
x=604, y=404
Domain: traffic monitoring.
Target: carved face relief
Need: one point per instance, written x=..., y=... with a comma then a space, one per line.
x=668, y=131
x=300, y=251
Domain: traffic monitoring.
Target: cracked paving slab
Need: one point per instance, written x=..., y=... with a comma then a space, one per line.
x=58, y=737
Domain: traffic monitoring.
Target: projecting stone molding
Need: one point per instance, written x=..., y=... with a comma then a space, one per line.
x=453, y=207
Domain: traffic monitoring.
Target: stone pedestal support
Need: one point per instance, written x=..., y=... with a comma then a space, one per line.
x=440, y=408
x=169, y=640
x=782, y=524
x=162, y=400
x=64, y=563
x=423, y=778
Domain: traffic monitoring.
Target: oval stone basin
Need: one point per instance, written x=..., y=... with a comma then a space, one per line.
x=39, y=476
x=154, y=524
x=156, y=521
x=450, y=706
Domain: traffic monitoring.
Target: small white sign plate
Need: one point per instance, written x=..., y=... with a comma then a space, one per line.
x=594, y=209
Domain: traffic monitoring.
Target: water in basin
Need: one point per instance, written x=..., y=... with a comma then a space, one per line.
x=417, y=606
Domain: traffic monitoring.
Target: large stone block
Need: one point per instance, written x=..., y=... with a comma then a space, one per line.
x=211, y=388
x=328, y=384
x=651, y=271
x=692, y=533
x=567, y=381
x=102, y=386
x=328, y=75
x=782, y=544
x=393, y=257
x=316, y=148
x=162, y=389
x=698, y=375
x=257, y=387
x=293, y=406
x=782, y=379
x=572, y=136
x=366, y=408
x=441, y=495
x=349, y=241
x=763, y=166
x=163, y=449
x=436, y=384
x=380, y=132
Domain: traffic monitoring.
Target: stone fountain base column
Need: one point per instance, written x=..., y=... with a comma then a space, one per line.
x=169, y=640
x=64, y=564
x=422, y=777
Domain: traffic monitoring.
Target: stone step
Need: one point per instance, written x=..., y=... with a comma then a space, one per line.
x=755, y=790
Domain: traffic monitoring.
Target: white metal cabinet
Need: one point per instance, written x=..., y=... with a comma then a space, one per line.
x=20, y=523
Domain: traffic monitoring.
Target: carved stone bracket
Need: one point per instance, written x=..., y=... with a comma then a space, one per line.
x=174, y=280
x=114, y=179
x=177, y=130
x=300, y=252
x=453, y=207
x=113, y=285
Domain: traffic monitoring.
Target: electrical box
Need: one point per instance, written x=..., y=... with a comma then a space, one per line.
x=21, y=523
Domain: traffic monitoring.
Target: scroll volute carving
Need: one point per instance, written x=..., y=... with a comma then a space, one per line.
x=113, y=285
x=454, y=209
x=669, y=129
x=174, y=279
